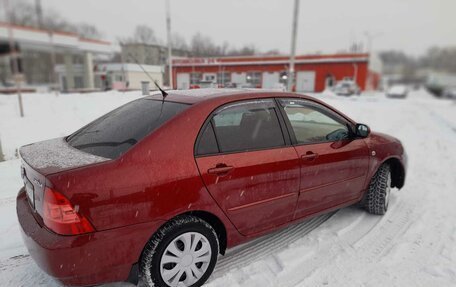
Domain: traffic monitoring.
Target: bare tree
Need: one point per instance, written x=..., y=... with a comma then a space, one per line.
x=247, y=50
x=178, y=42
x=442, y=59
x=24, y=14
x=88, y=31
x=144, y=34
x=203, y=46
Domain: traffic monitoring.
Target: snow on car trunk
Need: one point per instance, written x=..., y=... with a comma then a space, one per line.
x=48, y=157
x=56, y=155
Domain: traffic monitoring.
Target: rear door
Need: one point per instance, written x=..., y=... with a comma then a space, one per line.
x=333, y=165
x=248, y=165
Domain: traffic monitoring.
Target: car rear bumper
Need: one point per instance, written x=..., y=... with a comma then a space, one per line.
x=89, y=259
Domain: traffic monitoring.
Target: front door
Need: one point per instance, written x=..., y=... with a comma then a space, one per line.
x=333, y=165
x=248, y=166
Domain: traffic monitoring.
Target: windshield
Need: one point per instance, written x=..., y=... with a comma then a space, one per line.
x=113, y=134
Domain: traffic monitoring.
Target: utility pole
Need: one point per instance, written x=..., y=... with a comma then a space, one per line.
x=291, y=69
x=39, y=17
x=14, y=57
x=39, y=13
x=370, y=43
x=168, y=33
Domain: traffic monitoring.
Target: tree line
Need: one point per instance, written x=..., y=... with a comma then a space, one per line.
x=436, y=58
x=25, y=14
x=199, y=46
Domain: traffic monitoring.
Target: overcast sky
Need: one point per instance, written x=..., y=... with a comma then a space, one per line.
x=324, y=25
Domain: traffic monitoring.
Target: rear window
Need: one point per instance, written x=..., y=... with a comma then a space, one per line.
x=113, y=134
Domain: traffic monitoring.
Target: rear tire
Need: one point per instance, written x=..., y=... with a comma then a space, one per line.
x=378, y=195
x=182, y=253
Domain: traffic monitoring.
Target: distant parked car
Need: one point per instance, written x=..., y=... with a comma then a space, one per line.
x=449, y=93
x=204, y=85
x=397, y=91
x=162, y=186
x=347, y=88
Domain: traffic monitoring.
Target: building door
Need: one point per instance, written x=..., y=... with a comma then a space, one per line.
x=238, y=78
x=183, y=81
x=270, y=80
x=330, y=81
x=305, y=81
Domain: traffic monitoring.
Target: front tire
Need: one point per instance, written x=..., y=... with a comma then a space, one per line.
x=378, y=195
x=182, y=253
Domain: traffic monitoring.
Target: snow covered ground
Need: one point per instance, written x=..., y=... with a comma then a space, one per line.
x=414, y=244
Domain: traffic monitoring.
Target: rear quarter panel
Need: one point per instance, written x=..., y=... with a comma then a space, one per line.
x=155, y=180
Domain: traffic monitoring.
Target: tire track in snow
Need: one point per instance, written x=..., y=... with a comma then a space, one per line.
x=266, y=246
x=346, y=258
x=379, y=239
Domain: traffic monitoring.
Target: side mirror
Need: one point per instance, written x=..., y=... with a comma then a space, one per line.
x=362, y=130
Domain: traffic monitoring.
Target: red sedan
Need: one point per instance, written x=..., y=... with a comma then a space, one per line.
x=159, y=187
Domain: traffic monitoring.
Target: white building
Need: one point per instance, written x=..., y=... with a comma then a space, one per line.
x=116, y=76
x=37, y=47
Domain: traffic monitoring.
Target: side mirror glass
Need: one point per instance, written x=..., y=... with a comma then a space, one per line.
x=362, y=130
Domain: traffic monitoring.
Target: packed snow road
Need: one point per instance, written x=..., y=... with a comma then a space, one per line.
x=414, y=244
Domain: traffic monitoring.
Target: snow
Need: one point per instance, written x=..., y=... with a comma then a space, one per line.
x=414, y=244
x=56, y=153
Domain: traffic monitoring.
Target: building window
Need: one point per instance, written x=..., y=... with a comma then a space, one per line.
x=195, y=78
x=223, y=78
x=254, y=79
x=78, y=82
x=78, y=59
x=118, y=78
x=209, y=77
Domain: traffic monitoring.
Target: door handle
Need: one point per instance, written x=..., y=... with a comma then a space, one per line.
x=309, y=156
x=220, y=170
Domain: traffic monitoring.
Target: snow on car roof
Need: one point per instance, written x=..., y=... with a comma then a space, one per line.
x=205, y=92
x=197, y=95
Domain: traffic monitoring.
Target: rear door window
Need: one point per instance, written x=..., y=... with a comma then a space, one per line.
x=208, y=142
x=249, y=125
x=113, y=134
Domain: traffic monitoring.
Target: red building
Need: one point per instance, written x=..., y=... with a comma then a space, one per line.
x=313, y=72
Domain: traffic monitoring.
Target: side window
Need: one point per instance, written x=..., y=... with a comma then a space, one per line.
x=247, y=125
x=207, y=143
x=312, y=123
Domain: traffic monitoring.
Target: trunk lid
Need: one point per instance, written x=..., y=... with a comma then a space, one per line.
x=48, y=157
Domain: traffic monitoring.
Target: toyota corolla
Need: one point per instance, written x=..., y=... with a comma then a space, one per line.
x=159, y=187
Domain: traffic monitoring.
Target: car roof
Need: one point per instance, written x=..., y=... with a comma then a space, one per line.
x=214, y=96
x=194, y=96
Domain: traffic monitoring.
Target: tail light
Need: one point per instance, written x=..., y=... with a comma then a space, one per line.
x=60, y=216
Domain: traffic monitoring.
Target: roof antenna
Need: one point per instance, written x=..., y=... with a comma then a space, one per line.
x=164, y=94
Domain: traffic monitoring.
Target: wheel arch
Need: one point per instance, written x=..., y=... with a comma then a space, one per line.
x=216, y=223
x=211, y=219
x=397, y=172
